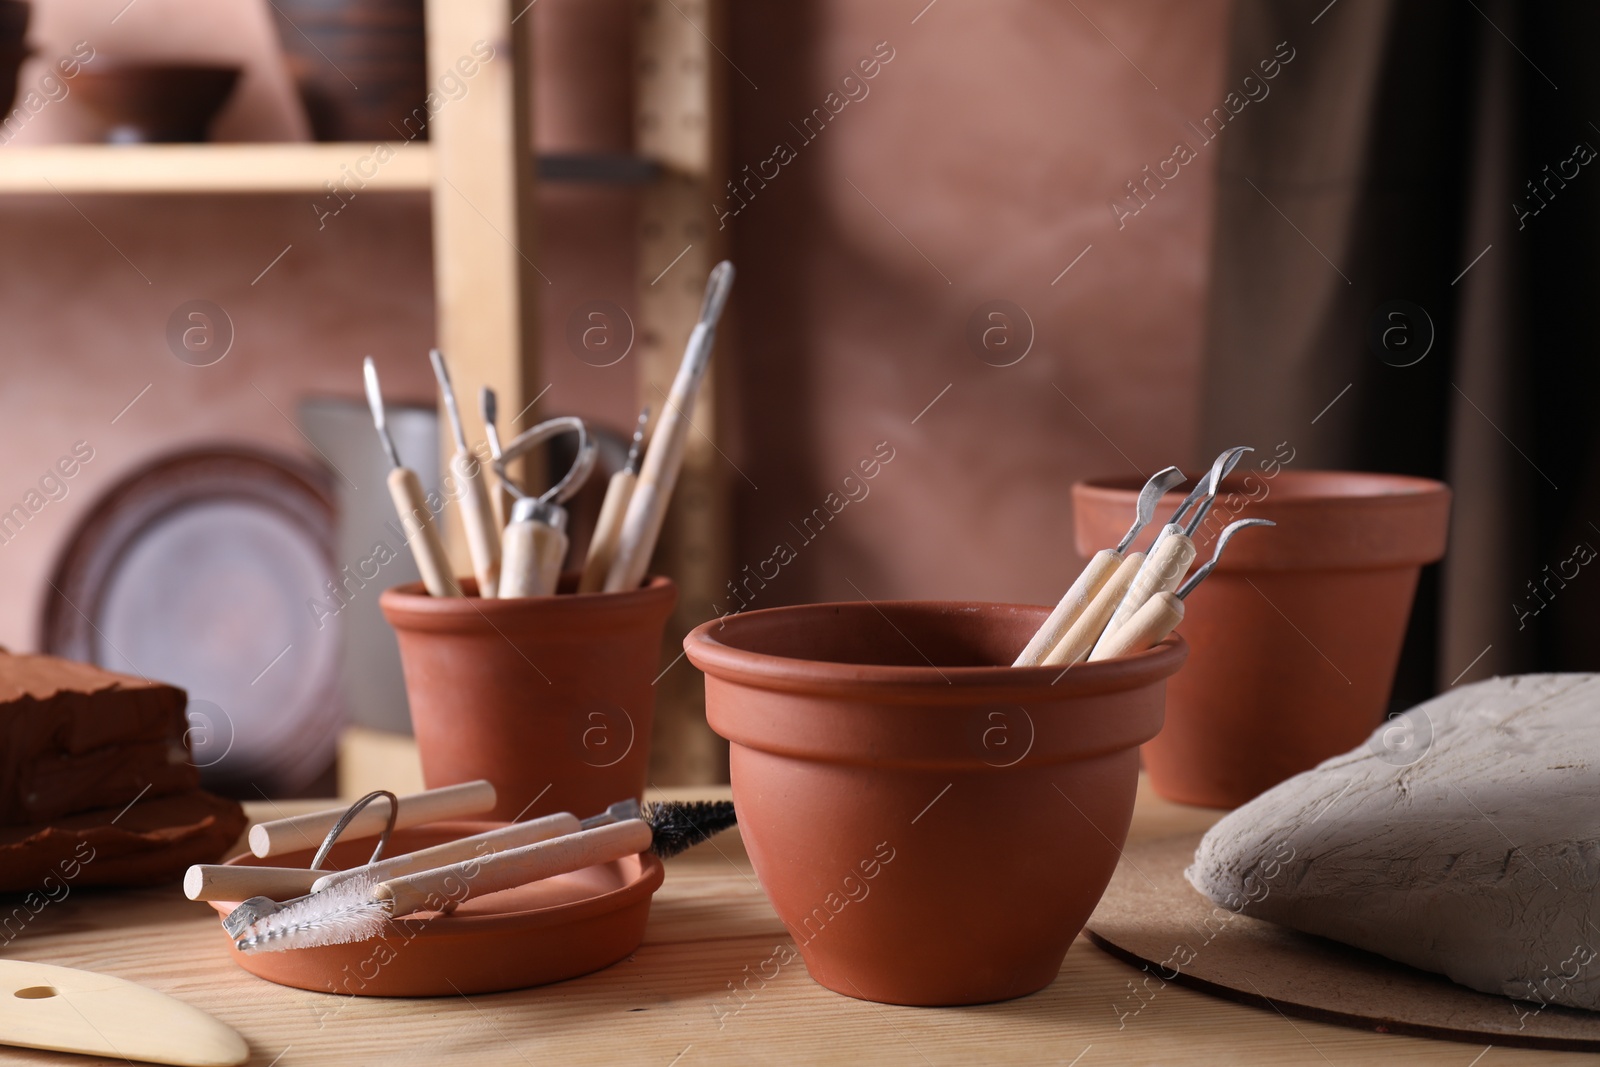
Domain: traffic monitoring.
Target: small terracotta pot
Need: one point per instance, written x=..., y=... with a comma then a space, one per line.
x=1296, y=634
x=550, y=698
x=932, y=826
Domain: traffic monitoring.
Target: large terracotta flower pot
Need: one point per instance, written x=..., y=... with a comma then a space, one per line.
x=550, y=698
x=932, y=825
x=1296, y=634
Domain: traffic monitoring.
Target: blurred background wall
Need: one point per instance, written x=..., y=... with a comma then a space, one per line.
x=977, y=168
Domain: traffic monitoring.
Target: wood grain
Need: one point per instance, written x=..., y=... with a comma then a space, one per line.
x=682, y=995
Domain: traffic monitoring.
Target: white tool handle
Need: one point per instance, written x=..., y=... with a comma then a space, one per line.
x=607, y=532
x=226, y=881
x=1162, y=572
x=421, y=534
x=465, y=848
x=433, y=890
x=301, y=832
x=1160, y=615
x=1091, y=581
x=1083, y=633
x=477, y=517
x=647, y=509
x=534, y=552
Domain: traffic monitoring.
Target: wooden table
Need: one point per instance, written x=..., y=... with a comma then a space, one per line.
x=673, y=1003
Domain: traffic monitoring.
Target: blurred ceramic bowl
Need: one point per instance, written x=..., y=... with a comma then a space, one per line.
x=156, y=102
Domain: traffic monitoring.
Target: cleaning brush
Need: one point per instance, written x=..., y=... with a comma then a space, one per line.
x=357, y=908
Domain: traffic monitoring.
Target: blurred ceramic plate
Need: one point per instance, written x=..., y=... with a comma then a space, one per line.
x=536, y=934
x=198, y=570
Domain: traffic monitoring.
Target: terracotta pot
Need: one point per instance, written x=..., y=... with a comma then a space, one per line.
x=932, y=826
x=549, y=698
x=1296, y=634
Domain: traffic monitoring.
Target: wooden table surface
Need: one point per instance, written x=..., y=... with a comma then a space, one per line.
x=672, y=1003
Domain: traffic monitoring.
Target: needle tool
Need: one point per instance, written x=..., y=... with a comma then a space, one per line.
x=608, y=527
x=647, y=509
x=477, y=514
x=416, y=519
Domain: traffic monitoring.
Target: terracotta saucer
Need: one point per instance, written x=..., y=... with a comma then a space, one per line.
x=533, y=935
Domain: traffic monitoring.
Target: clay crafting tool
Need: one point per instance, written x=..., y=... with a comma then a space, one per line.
x=1097, y=573
x=1163, y=612
x=1173, y=550
x=647, y=509
x=535, y=543
x=356, y=909
x=477, y=513
x=488, y=407
x=294, y=834
x=409, y=501
x=608, y=527
x=60, y=1009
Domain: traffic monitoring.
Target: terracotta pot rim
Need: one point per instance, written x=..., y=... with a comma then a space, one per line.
x=409, y=607
x=1405, y=488
x=930, y=685
x=1327, y=520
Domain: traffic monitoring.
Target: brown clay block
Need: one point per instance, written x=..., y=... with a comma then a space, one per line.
x=149, y=843
x=59, y=785
x=52, y=710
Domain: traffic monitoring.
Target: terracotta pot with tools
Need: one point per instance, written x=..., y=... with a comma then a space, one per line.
x=932, y=825
x=1296, y=636
x=550, y=698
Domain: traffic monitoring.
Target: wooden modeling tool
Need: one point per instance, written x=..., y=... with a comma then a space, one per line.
x=608, y=527
x=356, y=909
x=1097, y=573
x=60, y=1009
x=242, y=882
x=647, y=509
x=1081, y=636
x=409, y=501
x=295, y=834
x=1162, y=613
x=1173, y=550
x=488, y=407
x=535, y=543
x=477, y=513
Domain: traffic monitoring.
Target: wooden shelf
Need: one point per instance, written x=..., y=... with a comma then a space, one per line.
x=212, y=168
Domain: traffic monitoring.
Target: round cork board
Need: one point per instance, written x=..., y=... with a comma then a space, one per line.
x=1153, y=919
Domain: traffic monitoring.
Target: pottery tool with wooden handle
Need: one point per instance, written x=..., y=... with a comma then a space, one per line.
x=647, y=509
x=488, y=407
x=1081, y=636
x=409, y=501
x=477, y=513
x=1097, y=573
x=60, y=1009
x=229, y=881
x=1173, y=550
x=278, y=836
x=1162, y=613
x=535, y=543
x=357, y=909
x=608, y=527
